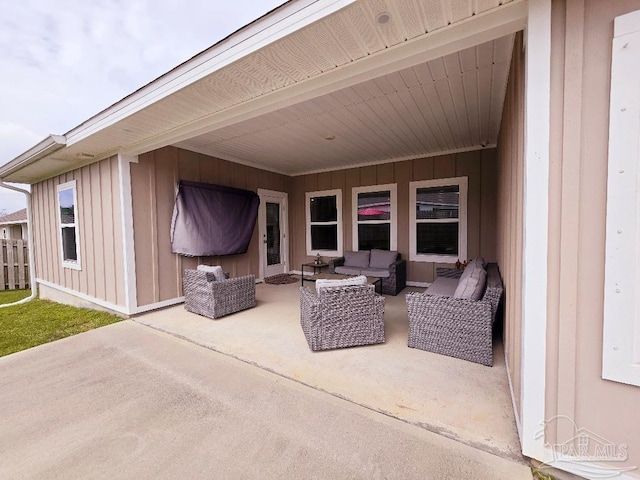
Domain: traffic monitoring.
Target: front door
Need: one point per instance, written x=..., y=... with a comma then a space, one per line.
x=273, y=227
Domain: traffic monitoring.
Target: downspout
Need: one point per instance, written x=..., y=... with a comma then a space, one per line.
x=32, y=258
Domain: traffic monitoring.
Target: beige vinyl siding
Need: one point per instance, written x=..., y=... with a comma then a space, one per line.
x=479, y=166
x=509, y=224
x=99, y=228
x=154, y=179
x=582, y=34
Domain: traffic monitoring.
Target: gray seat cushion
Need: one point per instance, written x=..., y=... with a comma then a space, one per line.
x=348, y=270
x=376, y=272
x=382, y=258
x=357, y=259
x=443, y=286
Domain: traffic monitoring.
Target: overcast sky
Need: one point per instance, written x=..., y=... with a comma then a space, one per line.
x=64, y=61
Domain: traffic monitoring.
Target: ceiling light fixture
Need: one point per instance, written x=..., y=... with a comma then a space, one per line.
x=330, y=137
x=383, y=17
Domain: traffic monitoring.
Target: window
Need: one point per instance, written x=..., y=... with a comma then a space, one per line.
x=67, y=216
x=438, y=216
x=324, y=223
x=621, y=333
x=374, y=217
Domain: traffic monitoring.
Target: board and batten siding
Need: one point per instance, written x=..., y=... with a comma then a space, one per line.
x=99, y=227
x=154, y=180
x=479, y=166
x=582, y=38
x=509, y=239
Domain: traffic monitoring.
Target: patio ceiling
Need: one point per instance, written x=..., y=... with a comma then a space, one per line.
x=448, y=104
x=428, y=80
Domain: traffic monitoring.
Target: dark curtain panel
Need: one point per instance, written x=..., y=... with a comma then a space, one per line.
x=212, y=220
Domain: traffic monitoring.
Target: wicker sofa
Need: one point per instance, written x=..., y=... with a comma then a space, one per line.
x=338, y=317
x=384, y=264
x=212, y=298
x=456, y=327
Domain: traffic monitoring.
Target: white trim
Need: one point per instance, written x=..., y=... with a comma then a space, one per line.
x=70, y=185
x=109, y=305
x=157, y=305
x=513, y=396
x=340, y=230
x=621, y=332
x=14, y=223
x=348, y=166
x=536, y=224
x=46, y=147
x=278, y=24
x=283, y=199
x=393, y=221
x=84, y=296
x=463, y=184
x=495, y=23
x=128, y=238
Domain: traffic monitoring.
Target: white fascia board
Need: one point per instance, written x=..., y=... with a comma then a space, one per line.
x=278, y=24
x=490, y=25
x=21, y=222
x=46, y=147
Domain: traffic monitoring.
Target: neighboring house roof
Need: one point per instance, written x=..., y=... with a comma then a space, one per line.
x=315, y=83
x=16, y=217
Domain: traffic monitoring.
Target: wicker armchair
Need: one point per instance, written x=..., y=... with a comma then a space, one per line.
x=338, y=317
x=453, y=326
x=214, y=299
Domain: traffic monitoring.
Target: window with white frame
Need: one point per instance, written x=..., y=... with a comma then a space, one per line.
x=68, y=221
x=374, y=217
x=438, y=220
x=324, y=223
x=621, y=332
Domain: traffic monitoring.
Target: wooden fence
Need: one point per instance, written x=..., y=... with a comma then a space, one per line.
x=15, y=264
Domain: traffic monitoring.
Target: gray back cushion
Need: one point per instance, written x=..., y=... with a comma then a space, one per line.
x=382, y=258
x=472, y=287
x=215, y=270
x=356, y=259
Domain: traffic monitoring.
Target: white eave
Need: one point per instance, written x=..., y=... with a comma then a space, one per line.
x=306, y=64
x=46, y=147
x=270, y=28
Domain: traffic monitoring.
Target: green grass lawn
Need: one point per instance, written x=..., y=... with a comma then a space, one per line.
x=10, y=296
x=40, y=321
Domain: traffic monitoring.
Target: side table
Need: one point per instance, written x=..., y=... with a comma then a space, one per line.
x=317, y=268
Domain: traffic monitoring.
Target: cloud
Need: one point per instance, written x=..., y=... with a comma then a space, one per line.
x=11, y=201
x=65, y=61
x=13, y=138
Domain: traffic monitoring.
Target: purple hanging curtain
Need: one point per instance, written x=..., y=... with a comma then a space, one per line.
x=212, y=220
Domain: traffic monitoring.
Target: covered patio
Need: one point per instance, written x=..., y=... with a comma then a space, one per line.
x=338, y=102
x=464, y=401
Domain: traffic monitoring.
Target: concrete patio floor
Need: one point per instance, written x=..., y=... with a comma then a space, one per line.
x=463, y=401
x=126, y=401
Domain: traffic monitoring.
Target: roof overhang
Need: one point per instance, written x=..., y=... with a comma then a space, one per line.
x=267, y=68
x=46, y=147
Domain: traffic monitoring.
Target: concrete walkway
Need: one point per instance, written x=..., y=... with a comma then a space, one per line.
x=126, y=401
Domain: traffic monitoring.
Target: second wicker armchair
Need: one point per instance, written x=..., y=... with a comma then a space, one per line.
x=338, y=317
